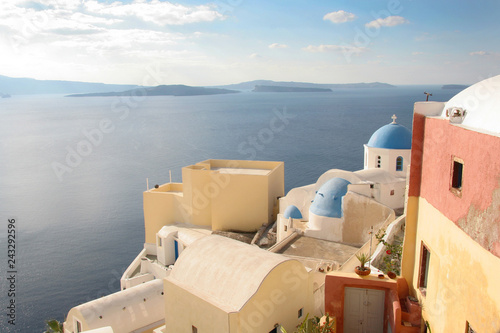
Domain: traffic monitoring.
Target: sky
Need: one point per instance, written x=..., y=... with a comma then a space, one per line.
x=203, y=42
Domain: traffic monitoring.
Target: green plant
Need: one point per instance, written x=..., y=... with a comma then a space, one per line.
x=54, y=326
x=391, y=262
x=314, y=325
x=363, y=259
x=428, y=326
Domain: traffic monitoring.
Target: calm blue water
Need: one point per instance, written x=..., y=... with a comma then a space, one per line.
x=79, y=221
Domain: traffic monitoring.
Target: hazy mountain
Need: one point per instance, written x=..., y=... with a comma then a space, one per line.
x=454, y=86
x=163, y=90
x=250, y=85
x=25, y=86
x=259, y=88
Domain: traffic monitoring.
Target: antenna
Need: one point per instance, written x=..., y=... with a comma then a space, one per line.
x=428, y=94
x=170, y=175
x=147, y=184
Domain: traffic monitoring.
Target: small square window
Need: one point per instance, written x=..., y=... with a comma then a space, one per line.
x=286, y=228
x=457, y=169
x=301, y=312
x=392, y=192
x=425, y=256
x=194, y=329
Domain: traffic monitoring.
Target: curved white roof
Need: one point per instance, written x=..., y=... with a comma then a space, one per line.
x=124, y=311
x=356, y=177
x=332, y=173
x=186, y=233
x=203, y=266
x=482, y=103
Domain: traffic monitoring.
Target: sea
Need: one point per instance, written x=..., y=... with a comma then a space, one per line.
x=73, y=170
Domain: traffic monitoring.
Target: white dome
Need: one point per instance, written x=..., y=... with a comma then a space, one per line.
x=481, y=102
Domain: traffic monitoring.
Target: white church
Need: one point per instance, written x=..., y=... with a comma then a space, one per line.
x=342, y=206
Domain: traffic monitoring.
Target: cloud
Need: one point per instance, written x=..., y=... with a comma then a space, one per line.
x=278, y=46
x=417, y=53
x=335, y=48
x=479, y=53
x=339, y=16
x=390, y=21
x=255, y=56
x=91, y=28
x=159, y=13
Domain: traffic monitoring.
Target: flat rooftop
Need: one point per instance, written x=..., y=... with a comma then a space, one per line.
x=243, y=171
x=309, y=247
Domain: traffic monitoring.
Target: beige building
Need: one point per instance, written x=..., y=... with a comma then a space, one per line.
x=223, y=285
x=219, y=195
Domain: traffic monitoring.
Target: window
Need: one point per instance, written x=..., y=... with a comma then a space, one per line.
x=159, y=241
x=392, y=192
x=286, y=228
x=301, y=312
x=399, y=163
x=457, y=175
x=276, y=329
x=78, y=326
x=469, y=329
x=194, y=329
x=379, y=161
x=425, y=256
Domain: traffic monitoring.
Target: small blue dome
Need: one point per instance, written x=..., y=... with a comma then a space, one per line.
x=328, y=199
x=391, y=136
x=293, y=212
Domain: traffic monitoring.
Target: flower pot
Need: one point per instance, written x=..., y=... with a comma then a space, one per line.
x=360, y=272
x=392, y=275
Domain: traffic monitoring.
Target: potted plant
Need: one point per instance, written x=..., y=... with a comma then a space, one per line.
x=362, y=269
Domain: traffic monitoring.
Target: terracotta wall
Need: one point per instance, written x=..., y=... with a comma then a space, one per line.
x=335, y=284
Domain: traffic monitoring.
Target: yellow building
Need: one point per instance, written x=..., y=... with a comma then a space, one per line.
x=451, y=255
x=223, y=285
x=219, y=195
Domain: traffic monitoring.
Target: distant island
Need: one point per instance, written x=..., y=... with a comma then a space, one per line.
x=4, y=95
x=28, y=86
x=260, y=88
x=163, y=90
x=250, y=85
x=454, y=86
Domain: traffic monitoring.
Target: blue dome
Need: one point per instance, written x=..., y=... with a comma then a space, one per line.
x=391, y=136
x=293, y=212
x=328, y=199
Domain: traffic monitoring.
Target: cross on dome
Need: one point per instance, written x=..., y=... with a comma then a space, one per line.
x=394, y=119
